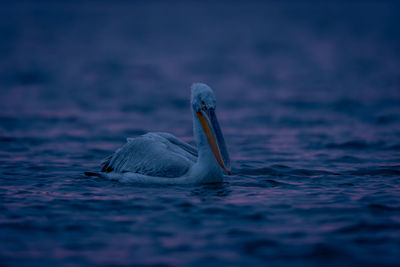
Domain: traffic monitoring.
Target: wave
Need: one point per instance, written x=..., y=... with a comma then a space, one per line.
x=355, y=144
x=282, y=170
x=365, y=226
x=374, y=171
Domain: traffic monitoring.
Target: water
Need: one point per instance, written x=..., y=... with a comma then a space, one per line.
x=308, y=99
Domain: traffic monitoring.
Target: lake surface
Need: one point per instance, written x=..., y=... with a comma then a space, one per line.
x=308, y=98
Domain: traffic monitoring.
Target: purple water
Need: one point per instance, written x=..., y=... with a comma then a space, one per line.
x=307, y=96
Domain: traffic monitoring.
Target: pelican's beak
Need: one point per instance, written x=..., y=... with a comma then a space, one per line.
x=210, y=125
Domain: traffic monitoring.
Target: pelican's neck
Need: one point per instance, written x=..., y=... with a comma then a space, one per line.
x=206, y=162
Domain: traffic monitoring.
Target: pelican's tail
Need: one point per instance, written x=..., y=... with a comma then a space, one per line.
x=106, y=164
x=92, y=174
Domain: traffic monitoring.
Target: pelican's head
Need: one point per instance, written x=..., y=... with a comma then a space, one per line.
x=203, y=104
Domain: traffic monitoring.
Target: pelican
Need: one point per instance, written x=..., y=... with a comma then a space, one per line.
x=161, y=158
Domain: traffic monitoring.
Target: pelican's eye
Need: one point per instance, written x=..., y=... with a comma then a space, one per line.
x=203, y=105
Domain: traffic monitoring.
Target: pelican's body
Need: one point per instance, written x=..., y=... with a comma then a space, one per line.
x=163, y=158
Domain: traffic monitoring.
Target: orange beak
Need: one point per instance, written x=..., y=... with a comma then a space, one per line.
x=215, y=138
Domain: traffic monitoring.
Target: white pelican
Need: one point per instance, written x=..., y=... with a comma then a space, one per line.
x=164, y=159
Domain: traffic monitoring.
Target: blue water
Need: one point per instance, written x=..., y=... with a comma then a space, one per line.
x=307, y=96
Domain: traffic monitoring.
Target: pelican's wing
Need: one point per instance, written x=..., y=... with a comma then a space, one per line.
x=153, y=154
x=185, y=146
